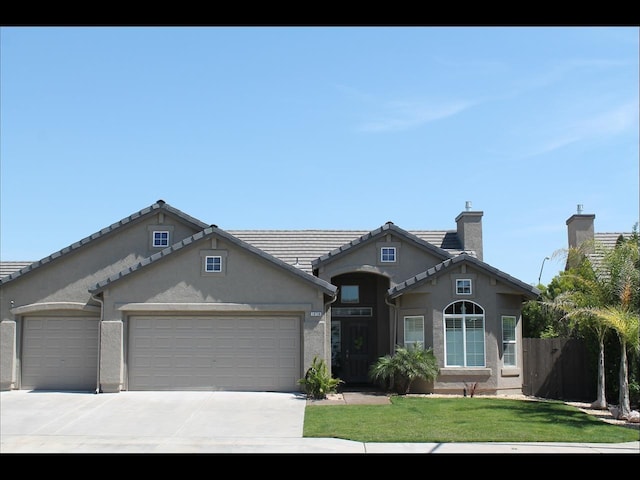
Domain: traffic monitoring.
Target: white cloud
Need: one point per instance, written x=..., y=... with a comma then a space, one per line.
x=403, y=115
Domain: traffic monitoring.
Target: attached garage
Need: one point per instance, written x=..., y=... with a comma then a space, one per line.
x=205, y=352
x=59, y=353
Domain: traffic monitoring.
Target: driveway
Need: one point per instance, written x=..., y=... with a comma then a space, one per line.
x=38, y=421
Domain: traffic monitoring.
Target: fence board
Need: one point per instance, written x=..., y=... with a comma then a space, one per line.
x=557, y=368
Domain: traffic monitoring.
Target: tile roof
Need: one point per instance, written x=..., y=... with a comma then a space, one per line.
x=604, y=241
x=298, y=247
x=305, y=246
x=206, y=233
x=7, y=268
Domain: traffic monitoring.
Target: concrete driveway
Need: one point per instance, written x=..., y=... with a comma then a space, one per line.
x=38, y=421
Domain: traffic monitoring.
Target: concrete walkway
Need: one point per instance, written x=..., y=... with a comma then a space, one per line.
x=204, y=422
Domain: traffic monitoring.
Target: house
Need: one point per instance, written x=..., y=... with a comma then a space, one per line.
x=162, y=301
x=581, y=230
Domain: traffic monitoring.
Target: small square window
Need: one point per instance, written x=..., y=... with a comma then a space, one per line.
x=388, y=254
x=463, y=286
x=349, y=294
x=213, y=264
x=161, y=239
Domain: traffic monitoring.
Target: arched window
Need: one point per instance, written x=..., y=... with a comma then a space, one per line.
x=464, y=335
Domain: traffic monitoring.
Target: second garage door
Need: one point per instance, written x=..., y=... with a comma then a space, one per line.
x=214, y=353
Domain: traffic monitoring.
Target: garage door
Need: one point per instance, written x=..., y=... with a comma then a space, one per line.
x=59, y=353
x=214, y=353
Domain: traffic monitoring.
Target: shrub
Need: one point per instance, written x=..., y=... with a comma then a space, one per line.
x=399, y=371
x=318, y=382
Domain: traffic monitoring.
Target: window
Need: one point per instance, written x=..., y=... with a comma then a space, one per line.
x=213, y=264
x=352, y=312
x=464, y=335
x=509, y=341
x=463, y=286
x=349, y=294
x=388, y=254
x=413, y=330
x=161, y=238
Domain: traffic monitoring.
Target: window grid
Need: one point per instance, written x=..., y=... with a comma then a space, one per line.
x=161, y=239
x=388, y=254
x=463, y=286
x=213, y=264
x=509, y=358
x=464, y=335
x=413, y=330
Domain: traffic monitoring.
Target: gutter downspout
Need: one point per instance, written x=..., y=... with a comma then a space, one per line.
x=394, y=322
x=101, y=302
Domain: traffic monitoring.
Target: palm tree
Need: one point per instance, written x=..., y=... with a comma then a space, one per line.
x=620, y=271
x=607, y=297
x=576, y=293
x=407, y=364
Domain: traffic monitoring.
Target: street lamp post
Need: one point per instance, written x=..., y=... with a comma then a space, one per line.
x=541, y=267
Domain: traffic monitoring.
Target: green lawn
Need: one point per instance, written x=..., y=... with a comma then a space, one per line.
x=466, y=419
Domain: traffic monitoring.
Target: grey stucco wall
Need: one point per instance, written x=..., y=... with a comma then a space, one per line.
x=248, y=283
x=68, y=278
x=497, y=299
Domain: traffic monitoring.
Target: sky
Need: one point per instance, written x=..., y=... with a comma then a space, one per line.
x=317, y=127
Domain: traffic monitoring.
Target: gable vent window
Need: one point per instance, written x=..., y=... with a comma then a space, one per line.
x=463, y=286
x=161, y=238
x=213, y=264
x=388, y=254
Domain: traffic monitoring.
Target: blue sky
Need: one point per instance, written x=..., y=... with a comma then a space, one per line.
x=321, y=128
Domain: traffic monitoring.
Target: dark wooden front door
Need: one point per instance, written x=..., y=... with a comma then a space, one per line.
x=356, y=350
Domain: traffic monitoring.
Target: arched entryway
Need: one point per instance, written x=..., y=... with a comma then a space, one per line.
x=359, y=325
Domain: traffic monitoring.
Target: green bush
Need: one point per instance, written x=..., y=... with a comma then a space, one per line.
x=318, y=382
x=399, y=371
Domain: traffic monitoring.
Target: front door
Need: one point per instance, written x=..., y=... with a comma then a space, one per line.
x=356, y=349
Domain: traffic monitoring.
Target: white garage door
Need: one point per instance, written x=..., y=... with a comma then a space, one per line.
x=59, y=353
x=214, y=353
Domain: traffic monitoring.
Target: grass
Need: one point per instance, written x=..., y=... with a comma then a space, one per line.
x=444, y=420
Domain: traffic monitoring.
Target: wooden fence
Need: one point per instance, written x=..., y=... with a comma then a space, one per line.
x=559, y=369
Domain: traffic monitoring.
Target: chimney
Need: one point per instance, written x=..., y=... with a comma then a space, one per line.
x=469, y=226
x=580, y=228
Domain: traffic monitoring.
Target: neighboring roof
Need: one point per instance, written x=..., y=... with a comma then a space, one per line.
x=606, y=241
x=206, y=233
x=378, y=233
x=302, y=247
x=7, y=268
x=422, y=277
x=160, y=205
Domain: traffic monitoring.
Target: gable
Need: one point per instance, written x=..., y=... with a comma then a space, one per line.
x=167, y=218
x=244, y=269
x=451, y=266
x=389, y=233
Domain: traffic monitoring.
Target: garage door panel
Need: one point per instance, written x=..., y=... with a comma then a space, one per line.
x=214, y=353
x=59, y=353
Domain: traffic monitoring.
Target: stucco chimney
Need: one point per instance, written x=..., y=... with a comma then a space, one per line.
x=580, y=228
x=469, y=225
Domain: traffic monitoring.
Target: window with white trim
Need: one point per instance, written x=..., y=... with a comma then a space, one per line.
x=464, y=335
x=160, y=238
x=509, y=341
x=213, y=263
x=388, y=254
x=413, y=330
x=463, y=286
